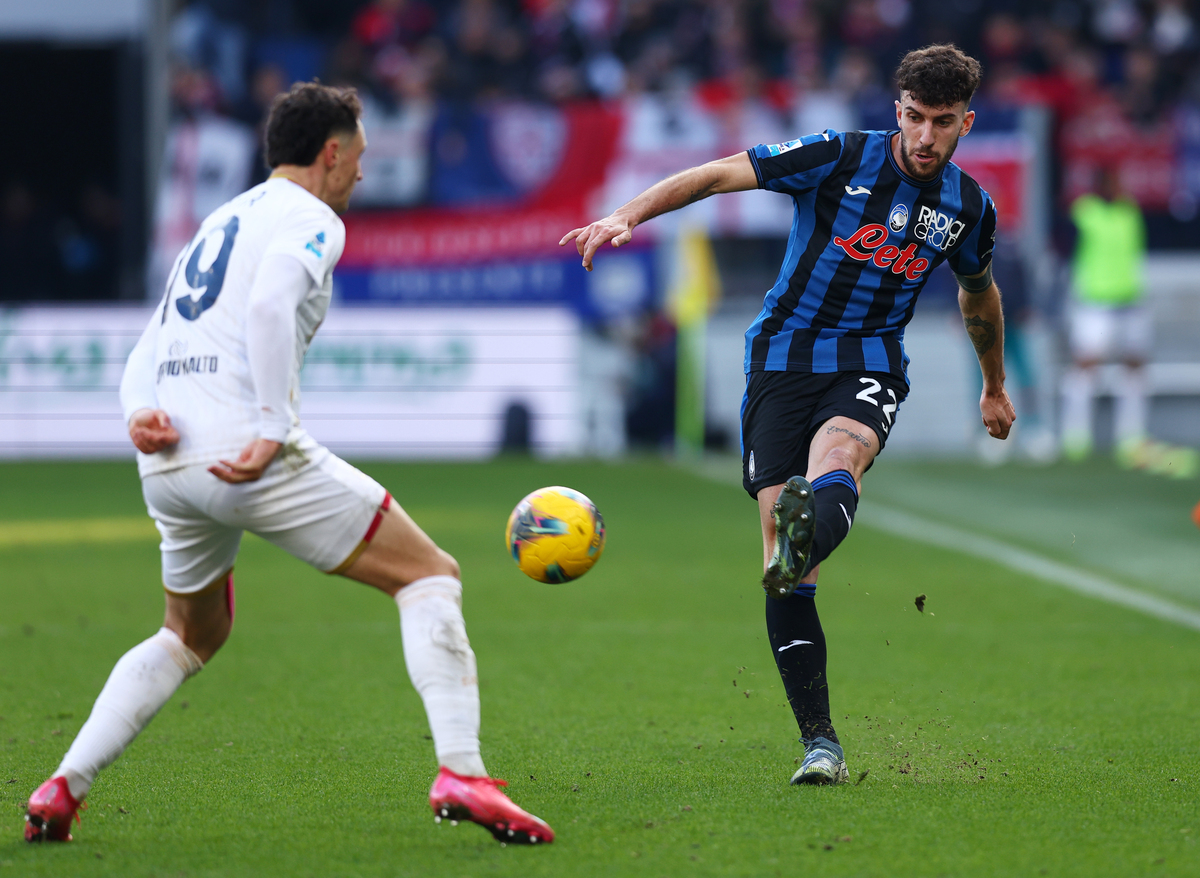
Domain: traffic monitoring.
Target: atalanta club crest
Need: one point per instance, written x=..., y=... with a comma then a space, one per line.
x=898, y=218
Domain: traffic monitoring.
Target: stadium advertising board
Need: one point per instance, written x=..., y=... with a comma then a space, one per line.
x=396, y=383
x=486, y=258
x=502, y=186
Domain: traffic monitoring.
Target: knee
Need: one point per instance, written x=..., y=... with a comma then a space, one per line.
x=836, y=459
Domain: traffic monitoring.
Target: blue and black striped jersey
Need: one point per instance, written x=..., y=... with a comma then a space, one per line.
x=864, y=238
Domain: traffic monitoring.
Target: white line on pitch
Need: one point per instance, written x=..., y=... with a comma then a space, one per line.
x=913, y=527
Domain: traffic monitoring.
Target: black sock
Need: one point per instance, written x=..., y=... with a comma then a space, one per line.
x=798, y=644
x=835, y=496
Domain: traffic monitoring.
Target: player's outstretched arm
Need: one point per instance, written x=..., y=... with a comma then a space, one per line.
x=979, y=301
x=731, y=174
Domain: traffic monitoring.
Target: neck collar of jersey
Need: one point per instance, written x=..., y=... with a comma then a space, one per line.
x=911, y=181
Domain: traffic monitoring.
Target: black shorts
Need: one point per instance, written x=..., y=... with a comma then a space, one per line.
x=782, y=412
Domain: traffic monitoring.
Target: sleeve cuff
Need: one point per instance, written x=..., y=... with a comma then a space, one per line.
x=757, y=169
x=274, y=430
x=135, y=407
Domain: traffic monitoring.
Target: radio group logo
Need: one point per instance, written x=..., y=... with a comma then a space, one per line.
x=898, y=218
x=938, y=230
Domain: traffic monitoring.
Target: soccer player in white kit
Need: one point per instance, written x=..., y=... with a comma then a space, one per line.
x=210, y=394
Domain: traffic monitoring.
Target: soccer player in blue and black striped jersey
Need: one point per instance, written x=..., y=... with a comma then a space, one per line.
x=875, y=212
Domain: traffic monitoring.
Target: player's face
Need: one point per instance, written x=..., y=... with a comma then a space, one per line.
x=346, y=170
x=929, y=135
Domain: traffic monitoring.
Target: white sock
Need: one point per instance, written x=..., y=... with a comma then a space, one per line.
x=140, y=684
x=1079, y=392
x=441, y=666
x=1132, y=414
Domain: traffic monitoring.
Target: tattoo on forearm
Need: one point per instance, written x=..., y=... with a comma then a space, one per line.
x=862, y=440
x=982, y=333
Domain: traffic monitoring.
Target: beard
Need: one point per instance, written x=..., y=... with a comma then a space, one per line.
x=918, y=172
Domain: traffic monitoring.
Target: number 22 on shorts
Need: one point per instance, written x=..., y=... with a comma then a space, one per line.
x=874, y=387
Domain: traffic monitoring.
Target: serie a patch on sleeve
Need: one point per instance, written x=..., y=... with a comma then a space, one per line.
x=781, y=148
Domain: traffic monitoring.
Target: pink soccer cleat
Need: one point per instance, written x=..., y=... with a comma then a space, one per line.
x=478, y=799
x=48, y=815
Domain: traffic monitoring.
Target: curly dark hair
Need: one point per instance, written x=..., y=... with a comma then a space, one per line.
x=939, y=76
x=303, y=119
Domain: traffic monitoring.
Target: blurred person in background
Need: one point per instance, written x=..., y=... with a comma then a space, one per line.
x=400, y=114
x=836, y=104
x=1107, y=319
x=27, y=246
x=203, y=36
x=267, y=81
x=650, y=406
x=393, y=22
x=488, y=52
x=1143, y=94
x=208, y=159
x=89, y=243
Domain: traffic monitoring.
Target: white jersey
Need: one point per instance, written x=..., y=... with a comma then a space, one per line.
x=201, y=373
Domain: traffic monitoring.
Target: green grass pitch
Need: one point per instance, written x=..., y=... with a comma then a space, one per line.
x=1013, y=728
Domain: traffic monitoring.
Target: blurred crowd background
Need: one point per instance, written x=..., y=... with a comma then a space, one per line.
x=531, y=116
x=1121, y=78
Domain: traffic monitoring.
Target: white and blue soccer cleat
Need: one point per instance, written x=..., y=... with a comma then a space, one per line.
x=823, y=763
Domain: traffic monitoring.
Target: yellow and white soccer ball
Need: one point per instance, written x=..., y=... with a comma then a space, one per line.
x=555, y=534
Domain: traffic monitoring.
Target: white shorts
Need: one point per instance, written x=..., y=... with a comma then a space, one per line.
x=323, y=512
x=1100, y=332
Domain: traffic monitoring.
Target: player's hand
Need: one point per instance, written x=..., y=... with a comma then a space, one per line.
x=151, y=430
x=998, y=413
x=250, y=465
x=590, y=238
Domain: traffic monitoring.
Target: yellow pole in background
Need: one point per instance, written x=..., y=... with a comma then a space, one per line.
x=693, y=294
